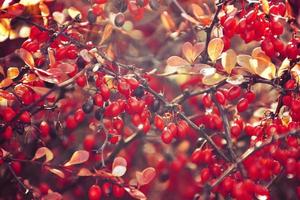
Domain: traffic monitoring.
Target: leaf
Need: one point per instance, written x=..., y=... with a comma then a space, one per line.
x=74, y=13
x=29, y=2
x=43, y=151
x=176, y=61
x=44, y=9
x=5, y=83
x=191, y=52
x=40, y=90
x=197, y=11
x=213, y=79
x=26, y=56
x=215, y=48
x=106, y=33
x=229, y=60
x=13, y=11
x=167, y=21
x=262, y=68
x=119, y=166
x=236, y=79
x=52, y=196
x=259, y=53
x=244, y=62
x=84, y=172
x=57, y=172
x=4, y=29
x=283, y=67
x=66, y=67
x=59, y=17
x=13, y=72
x=135, y=193
x=146, y=176
x=208, y=71
x=265, y=6
x=78, y=157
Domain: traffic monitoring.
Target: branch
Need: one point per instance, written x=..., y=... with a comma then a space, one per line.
x=252, y=150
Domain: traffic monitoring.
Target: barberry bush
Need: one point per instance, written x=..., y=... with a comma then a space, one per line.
x=149, y=99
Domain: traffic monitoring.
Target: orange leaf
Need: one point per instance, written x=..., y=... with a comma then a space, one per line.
x=215, y=48
x=26, y=56
x=146, y=176
x=197, y=11
x=167, y=21
x=176, y=61
x=84, y=172
x=43, y=151
x=13, y=11
x=244, y=62
x=44, y=9
x=78, y=157
x=119, y=166
x=13, y=72
x=5, y=83
x=106, y=33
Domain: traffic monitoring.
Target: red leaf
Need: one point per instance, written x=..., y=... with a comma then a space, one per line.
x=13, y=11
x=146, y=176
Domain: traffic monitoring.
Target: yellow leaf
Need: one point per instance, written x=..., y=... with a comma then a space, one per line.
x=167, y=21
x=13, y=72
x=215, y=48
x=74, y=13
x=106, y=33
x=4, y=29
x=265, y=6
x=29, y=2
x=259, y=53
x=244, y=62
x=197, y=10
x=78, y=157
x=283, y=67
x=191, y=52
x=262, y=68
x=229, y=60
x=176, y=61
x=213, y=79
x=43, y=151
x=57, y=172
x=26, y=56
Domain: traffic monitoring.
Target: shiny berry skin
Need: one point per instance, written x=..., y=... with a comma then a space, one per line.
x=250, y=96
x=25, y=117
x=242, y=105
x=44, y=129
x=118, y=191
x=220, y=97
x=112, y=110
x=95, y=192
x=107, y=189
x=166, y=136
x=89, y=142
x=81, y=81
x=159, y=122
x=182, y=128
x=8, y=114
x=79, y=115
x=235, y=130
x=234, y=92
x=206, y=100
x=276, y=27
x=71, y=123
x=98, y=100
x=291, y=51
x=268, y=47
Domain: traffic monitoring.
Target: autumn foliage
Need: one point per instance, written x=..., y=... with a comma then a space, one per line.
x=149, y=99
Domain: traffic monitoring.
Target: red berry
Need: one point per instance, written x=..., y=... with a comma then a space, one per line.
x=8, y=114
x=276, y=27
x=79, y=115
x=95, y=192
x=98, y=100
x=242, y=105
x=166, y=136
x=107, y=188
x=118, y=191
x=25, y=117
x=291, y=51
x=250, y=96
x=71, y=123
x=234, y=92
x=268, y=47
x=81, y=81
x=44, y=129
x=235, y=130
x=159, y=122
